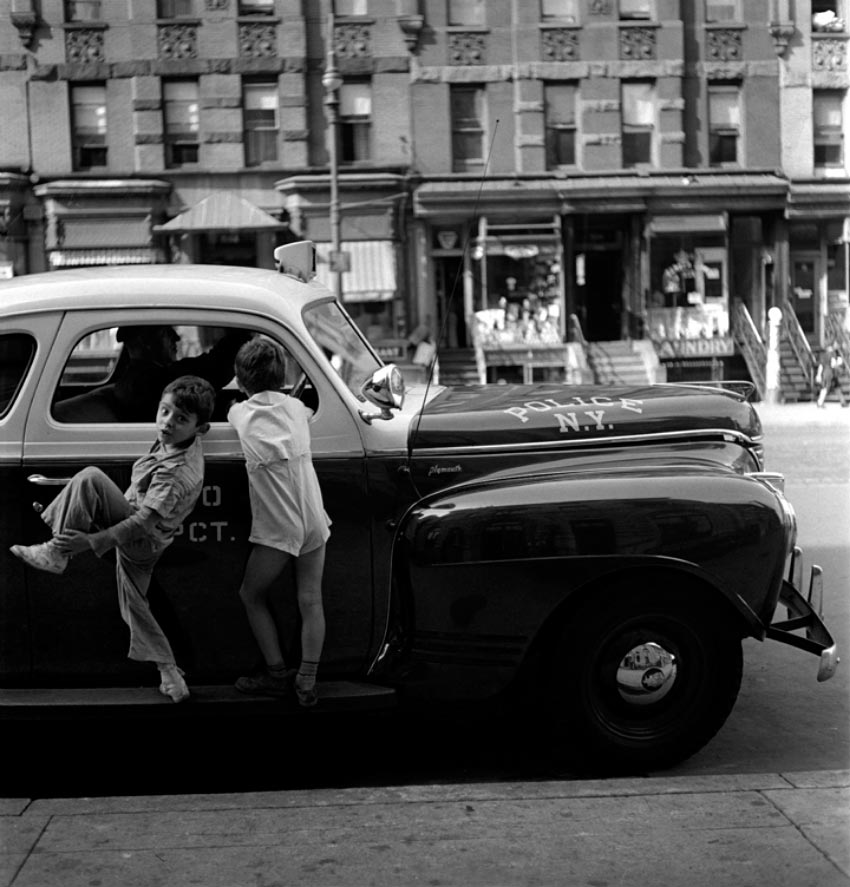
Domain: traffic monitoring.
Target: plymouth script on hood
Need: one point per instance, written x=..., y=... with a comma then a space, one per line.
x=578, y=413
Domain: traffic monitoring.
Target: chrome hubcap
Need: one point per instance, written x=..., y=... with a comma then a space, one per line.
x=646, y=674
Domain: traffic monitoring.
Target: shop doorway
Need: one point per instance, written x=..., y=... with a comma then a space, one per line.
x=805, y=273
x=229, y=248
x=599, y=294
x=451, y=322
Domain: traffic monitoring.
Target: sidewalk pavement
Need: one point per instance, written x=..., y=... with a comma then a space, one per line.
x=803, y=414
x=777, y=829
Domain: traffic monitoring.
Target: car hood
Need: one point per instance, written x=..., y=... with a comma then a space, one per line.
x=505, y=415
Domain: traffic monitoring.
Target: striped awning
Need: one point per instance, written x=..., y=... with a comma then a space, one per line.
x=372, y=277
x=73, y=258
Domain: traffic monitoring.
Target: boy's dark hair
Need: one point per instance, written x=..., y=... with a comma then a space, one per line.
x=260, y=365
x=193, y=394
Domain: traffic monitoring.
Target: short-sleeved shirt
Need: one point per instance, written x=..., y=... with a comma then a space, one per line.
x=286, y=500
x=169, y=484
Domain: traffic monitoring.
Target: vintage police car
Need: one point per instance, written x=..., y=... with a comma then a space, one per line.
x=596, y=555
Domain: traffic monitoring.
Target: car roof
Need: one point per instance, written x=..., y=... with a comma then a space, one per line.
x=256, y=290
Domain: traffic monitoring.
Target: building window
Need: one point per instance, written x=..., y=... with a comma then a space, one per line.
x=722, y=11
x=182, y=130
x=82, y=10
x=560, y=105
x=559, y=10
x=829, y=15
x=88, y=126
x=828, y=128
x=174, y=8
x=467, y=103
x=724, y=125
x=638, y=104
x=635, y=9
x=466, y=12
x=260, y=123
x=355, y=122
x=351, y=7
x=256, y=7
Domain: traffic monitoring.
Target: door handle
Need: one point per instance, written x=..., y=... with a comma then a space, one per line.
x=42, y=480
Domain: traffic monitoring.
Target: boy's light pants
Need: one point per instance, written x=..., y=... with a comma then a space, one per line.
x=91, y=500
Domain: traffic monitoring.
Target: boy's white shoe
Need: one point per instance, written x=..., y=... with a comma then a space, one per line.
x=43, y=556
x=173, y=684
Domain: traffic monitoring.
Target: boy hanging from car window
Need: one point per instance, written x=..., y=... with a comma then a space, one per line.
x=91, y=513
x=288, y=518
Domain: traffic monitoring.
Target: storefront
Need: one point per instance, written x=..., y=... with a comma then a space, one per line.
x=688, y=311
x=818, y=232
x=102, y=222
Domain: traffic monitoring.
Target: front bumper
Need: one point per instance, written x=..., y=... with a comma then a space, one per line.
x=805, y=613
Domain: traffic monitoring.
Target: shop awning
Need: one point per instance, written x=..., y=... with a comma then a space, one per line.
x=105, y=232
x=372, y=277
x=72, y=258
x=222, y=211
x=702, y=223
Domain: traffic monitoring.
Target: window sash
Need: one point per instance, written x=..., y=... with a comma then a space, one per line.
x=466, y=12
x=560, y=146
x=174, y=8
x=256, y=7
x=260, y=146
x=351, y=7
x=724, y=108
x=467, y=126
x=638, y=104
x=181, y=109
x=721, y=11
x=562, y=10
x=637, y=148
x=355, y=140
x=722, y=147
x=355, y=100
x=82, y=10
x=635, y=9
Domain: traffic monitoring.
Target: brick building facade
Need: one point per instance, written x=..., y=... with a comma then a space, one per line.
x=518, y=170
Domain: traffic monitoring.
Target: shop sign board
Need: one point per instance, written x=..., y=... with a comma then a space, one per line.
x=717, y=346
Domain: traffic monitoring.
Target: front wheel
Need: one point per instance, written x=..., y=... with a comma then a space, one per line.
x=644, y=679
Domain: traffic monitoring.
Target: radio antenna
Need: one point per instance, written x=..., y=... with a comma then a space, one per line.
x=453, y=293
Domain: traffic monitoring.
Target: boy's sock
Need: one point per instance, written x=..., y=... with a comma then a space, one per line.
x=44, y=556
x=171, y=682
x=278, y=670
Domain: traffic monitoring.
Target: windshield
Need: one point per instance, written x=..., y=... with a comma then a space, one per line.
x=344, y=346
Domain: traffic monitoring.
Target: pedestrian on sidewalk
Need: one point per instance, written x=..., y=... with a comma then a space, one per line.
x=288, y=519
x=828, y=372
x=92, y=514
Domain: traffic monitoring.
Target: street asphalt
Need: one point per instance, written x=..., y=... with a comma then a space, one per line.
x=779, y=829
x=753, y=830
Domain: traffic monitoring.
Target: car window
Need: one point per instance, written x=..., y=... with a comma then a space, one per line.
x=16, y=354
x=344, y=345
x=117, y=374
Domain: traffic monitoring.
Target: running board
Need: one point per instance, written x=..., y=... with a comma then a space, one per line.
x=333, y=696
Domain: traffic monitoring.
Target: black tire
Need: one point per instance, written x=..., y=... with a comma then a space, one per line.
x=637, y=720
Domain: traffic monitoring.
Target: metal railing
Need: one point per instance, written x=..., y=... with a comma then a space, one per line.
x=796, y=338
x=750, y=344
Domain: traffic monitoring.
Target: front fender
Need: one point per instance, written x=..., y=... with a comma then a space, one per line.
x=481, y=567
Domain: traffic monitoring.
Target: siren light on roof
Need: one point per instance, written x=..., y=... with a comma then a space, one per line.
x=297, y=260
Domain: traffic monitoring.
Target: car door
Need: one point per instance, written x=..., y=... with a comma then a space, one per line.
x=24, y=346
x=77, y=634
